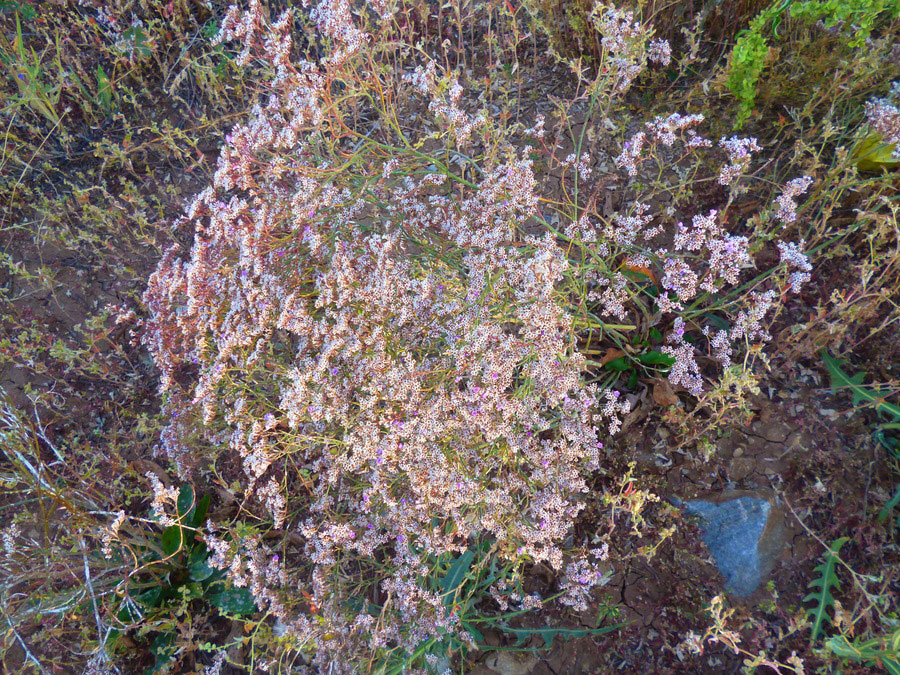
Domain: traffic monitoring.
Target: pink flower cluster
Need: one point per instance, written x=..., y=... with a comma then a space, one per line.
x=739, y=155
x=661, y=130
x=792, y=255
x=787, y=207
x=382, y=354
x=369, y=399
x=445, y=94
x=625, y=42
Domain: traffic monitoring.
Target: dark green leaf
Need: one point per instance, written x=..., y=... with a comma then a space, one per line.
x=454, y=577
x=840, y=379
x=620, y=365
x=185, y=501
x=547, y=634
x=826, y=580
x=163, y=647
x=194, y=589
x=875, y=652
x=476, y=634
x=152, y=598
x=718, y=322
x=172, y=540
x=26, y=10
x=199, y=518
x=887, y=508
x=234, y=601
x=200, y=570
x=656, y=358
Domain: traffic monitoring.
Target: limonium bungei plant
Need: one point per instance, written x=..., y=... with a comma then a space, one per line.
x=380, y=337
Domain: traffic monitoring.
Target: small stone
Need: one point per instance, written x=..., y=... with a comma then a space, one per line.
x=509, y=663
x=739, y=468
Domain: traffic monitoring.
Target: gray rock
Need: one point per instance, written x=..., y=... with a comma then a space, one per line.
x=744, y=535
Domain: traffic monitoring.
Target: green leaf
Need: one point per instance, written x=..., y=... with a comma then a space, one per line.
x=163, y=647
x=876, y=652
x=199, y=568
x=476, y=634
x=139, y=41
x=172, y=540
x=234, y=601
x=152, y=598
x=548, y=634
x=127, y=613
x=717, y=322
x=199, y=517
x=194, y=589
x=619, y=365
x=104, y=89
x=826, y=581
x=185, y=501
x=873, y=154
x=26, y=10
x=887, y=508
x=454, y=577
x=656, y=358
x=840, y=379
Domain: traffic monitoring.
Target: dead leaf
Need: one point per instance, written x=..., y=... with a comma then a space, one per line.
x=663, y=394
x=641, y=269
x=611, y=355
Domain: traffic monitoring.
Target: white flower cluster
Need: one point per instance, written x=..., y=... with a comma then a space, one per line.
x=884, y=116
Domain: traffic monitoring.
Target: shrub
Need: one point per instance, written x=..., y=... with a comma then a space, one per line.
x=854, y=21
x=382, y=334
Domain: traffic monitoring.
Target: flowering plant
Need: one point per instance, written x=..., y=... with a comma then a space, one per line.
x=382, y=332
